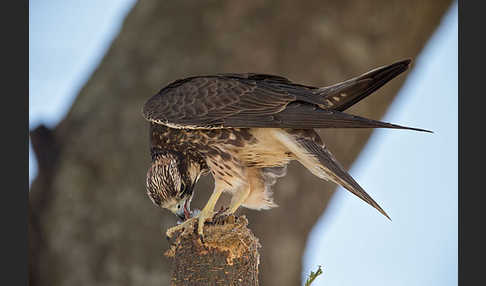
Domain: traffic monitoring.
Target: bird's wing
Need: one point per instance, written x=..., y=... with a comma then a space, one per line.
x=251, y=100
x=308, y=149
x=331, y=169
x=304, y=115
x=207, y=102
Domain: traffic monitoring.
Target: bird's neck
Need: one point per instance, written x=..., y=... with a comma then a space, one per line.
x=158, y=154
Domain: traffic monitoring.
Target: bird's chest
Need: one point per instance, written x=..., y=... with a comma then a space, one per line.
x=250, y=147
x=220, y=149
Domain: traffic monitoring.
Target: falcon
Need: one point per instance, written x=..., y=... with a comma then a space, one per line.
x=244, y=129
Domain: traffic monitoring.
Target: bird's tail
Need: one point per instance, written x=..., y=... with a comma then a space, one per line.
x=318, y=160
x=343, y=95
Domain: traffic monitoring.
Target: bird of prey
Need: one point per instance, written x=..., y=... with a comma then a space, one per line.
x=244, y=129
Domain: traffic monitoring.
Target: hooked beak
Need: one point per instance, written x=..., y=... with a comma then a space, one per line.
x=181, y=216
x=185, y=212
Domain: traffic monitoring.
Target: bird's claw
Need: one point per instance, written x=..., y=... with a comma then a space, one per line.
x=182, y=226
x=203, y=216
x=220, y=215
x=222, y=211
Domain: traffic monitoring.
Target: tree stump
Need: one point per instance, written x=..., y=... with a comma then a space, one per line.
x=227, y=256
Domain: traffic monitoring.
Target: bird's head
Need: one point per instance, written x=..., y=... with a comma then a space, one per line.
x=170, y=182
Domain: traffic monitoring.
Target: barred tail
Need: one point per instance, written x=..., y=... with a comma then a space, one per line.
x=343, y=95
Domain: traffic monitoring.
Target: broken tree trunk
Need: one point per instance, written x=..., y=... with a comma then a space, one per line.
x=228, y=256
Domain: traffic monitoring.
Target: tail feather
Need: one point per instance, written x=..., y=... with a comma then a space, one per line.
x=343, y=95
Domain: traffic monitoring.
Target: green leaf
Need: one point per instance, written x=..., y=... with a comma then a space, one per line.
x=313, y=275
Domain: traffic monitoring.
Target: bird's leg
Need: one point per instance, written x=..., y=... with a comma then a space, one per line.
x=208, y=209
x=237, y=199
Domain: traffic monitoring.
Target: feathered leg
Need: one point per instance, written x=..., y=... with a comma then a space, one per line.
x=208, y=210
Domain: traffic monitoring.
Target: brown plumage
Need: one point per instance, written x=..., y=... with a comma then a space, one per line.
x=244, y=129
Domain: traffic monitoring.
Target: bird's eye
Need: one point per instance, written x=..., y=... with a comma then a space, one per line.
x=178, y=207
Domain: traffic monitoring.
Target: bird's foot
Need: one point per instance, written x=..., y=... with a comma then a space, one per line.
x=228, y=211
x=222, y=211
x=224, y=216
x=188, y=224
x=202, y=217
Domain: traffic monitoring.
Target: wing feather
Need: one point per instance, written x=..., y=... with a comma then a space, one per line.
x=334, y=171
x=259, y=100
x=204, y=102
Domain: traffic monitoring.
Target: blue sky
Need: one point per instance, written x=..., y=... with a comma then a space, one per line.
x=67, y=40
x=414, y=178
x=412, y=175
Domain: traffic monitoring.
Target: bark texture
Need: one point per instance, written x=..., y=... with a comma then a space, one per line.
x=90, y=220
x=228, y=256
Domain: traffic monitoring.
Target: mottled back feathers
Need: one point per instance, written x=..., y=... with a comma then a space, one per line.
x=259, y=100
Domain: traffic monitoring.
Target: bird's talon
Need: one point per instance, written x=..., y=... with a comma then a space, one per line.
x=170, y=232
x=203, y=217
x=219, y=217
x=221, y=211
